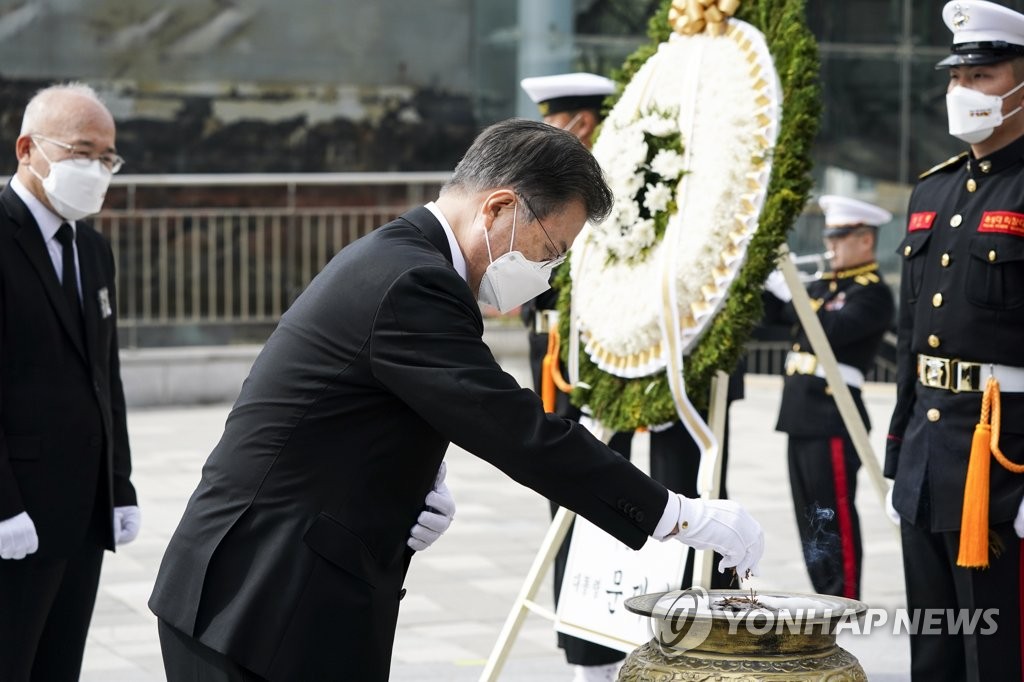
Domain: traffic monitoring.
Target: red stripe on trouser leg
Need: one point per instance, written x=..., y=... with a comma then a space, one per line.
x=845, y=518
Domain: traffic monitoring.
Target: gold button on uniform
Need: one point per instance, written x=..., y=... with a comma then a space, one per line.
x=971, y=185
x=945, y=260
x=933, y=415
x=956, y=220
x=992, y=256
x=933, y=341
x=906, y=250
x=936, y=300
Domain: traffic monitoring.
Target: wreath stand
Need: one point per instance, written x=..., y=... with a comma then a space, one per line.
x=708, y=485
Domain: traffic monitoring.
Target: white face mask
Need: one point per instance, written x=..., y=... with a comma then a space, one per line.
x=513, y=279
x=75, y=190
x=974, y=116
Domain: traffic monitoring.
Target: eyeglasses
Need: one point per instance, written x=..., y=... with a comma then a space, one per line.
x=556, y=259
x=81, y=157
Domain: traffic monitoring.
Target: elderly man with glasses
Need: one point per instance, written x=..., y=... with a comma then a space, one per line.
x=65, y=493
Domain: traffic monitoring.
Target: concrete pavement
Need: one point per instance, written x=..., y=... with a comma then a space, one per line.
x=460, y=590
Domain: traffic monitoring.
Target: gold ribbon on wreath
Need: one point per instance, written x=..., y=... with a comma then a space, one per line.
x=690, y=17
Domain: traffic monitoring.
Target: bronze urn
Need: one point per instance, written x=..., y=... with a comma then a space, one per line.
x=736, y=635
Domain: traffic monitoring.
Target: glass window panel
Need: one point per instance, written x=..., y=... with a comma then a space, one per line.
x=930, y=141
x=861, y=118
x=862, y=21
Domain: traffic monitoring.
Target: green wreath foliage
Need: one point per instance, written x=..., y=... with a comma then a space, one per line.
x=626, y=404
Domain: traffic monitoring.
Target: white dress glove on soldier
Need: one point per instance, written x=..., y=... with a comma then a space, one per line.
x=777, y=287
x=18, y=537
x=725, y=527
x=435, y=519
x=894, y=515
x=127, y=521
x=1018, y=523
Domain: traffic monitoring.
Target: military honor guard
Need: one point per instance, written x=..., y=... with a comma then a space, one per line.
x=960, y=399
x=855, y=308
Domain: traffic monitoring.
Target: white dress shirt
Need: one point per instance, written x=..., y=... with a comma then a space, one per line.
x=49, y=222
x=458, y=260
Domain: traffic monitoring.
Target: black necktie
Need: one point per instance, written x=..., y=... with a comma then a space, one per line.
x=69, y=275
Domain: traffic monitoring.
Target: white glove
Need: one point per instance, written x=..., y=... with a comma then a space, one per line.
x=777, y=287
x=894, y=515
x=435, y=519
x=18, y=537
x=1018, y=523
x=727, y=528
x=127, y=521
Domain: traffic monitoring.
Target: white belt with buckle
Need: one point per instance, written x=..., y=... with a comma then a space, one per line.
x=961, y=376
x=544, y=321
x=807, y=363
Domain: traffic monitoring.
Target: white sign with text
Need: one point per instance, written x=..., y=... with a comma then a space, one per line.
x=601, y=573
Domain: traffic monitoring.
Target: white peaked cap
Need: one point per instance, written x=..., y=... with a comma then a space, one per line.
x=566, y=91
x=845, y=212
x=983, y=32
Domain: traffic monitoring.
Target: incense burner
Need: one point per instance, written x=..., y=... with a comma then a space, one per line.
x=733, y=635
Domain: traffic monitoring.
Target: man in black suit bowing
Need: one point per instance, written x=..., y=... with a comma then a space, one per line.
x=65, y=493
x=289, y=560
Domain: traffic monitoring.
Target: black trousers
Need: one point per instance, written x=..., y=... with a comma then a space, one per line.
x=46, y=605
x=188, y=660
x=823, y=480
x=935, y=582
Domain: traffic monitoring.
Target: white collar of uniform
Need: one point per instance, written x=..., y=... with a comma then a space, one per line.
x=458, y=261
x=48, y=221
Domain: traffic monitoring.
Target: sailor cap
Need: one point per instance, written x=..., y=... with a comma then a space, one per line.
x=567, y=91
x=843, y=215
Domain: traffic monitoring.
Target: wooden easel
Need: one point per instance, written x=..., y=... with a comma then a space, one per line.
x=709, y=483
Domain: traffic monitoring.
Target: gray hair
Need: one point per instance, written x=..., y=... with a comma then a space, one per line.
x=546, y=165
x=37, y=112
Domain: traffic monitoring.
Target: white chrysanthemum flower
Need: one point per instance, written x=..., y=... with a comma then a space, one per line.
x=642, y=234
x=627, y=213
x=656, y=197
x=629, y=186
x=658, y=125
x=668, y=164
x=632, y=152
x=623, y=153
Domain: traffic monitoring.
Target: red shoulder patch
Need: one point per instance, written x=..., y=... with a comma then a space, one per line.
x=1005, y=222
x=921, y=221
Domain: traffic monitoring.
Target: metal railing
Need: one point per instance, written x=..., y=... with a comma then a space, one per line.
x=194, y=273
x=223, y=274
x=769, y=357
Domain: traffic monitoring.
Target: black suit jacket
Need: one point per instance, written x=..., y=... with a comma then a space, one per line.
x=63, y=436
x=291, y=553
